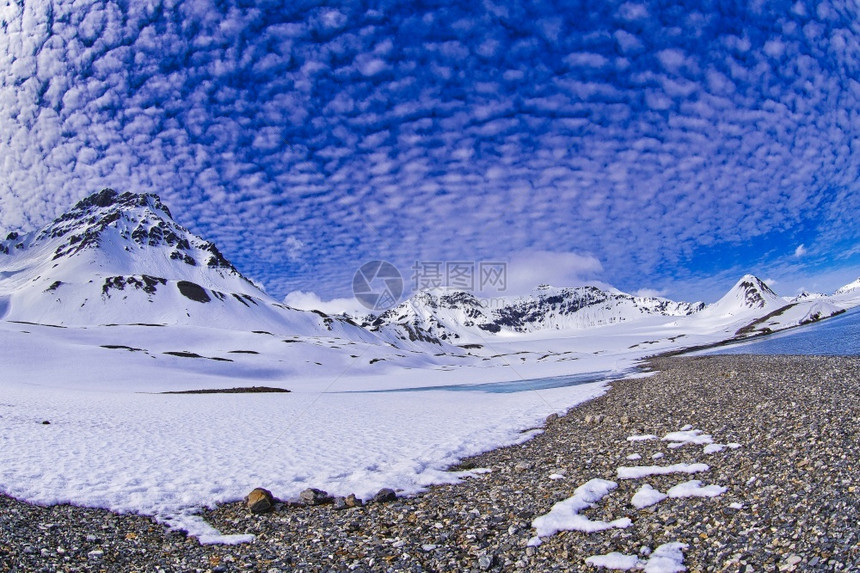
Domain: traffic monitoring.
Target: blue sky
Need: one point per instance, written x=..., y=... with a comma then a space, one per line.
x=650, y=146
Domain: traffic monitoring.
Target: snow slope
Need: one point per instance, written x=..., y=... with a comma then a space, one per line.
x=113, y=441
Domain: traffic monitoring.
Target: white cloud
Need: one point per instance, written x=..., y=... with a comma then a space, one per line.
x=650, y=292
x=528, y=269
x=294, y=248
x=370, y=66
x=800, y=251
x=312, y=301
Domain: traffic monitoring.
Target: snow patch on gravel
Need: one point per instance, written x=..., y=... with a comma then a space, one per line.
x=667, y=558
x=694, y=488
x=565, y=515
x=647, y=496
x=641, y=438
x=638, y=472
x=689, y=436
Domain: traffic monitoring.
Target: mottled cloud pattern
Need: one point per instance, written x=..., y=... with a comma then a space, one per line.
x=667, y=143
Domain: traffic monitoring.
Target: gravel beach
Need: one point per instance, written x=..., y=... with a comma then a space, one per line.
x=791, y=500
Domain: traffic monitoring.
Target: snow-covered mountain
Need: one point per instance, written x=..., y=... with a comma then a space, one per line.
x=750, y=295
x=435, y=315
x=848, y=295
x=850, y=288
x=122, y=259
x=804, y=295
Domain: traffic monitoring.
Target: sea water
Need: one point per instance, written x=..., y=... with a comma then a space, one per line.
x=839, y=336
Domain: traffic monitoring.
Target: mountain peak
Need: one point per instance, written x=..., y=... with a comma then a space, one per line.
x=108, y=197
x=136, y=218
x=756, y=292
x=749, y=293
x=126, y=232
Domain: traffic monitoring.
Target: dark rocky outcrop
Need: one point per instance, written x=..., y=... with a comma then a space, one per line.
x=193, y=291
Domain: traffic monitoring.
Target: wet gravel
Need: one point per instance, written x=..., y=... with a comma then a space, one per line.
x=792, y=501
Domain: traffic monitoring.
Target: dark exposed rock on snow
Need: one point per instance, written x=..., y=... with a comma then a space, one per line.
x=193, y=291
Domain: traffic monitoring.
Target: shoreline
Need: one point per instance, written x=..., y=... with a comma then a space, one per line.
x=795, y=478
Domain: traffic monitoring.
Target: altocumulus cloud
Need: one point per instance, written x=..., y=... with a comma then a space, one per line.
x=665, y=143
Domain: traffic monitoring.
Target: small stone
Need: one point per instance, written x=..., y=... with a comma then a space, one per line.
x=790, y=563
x=485, y=562
x=45, y=423
x=427, y=547
x=313, y=496
x=259, y=500
x=352, y=501
x=523, y=466
x=95, y=554
x=551, y=418
x=340, y=502
x=384, y=495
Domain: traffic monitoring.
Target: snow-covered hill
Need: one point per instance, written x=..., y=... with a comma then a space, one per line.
x=122, y=259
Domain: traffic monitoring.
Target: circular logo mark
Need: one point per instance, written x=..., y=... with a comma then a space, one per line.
x=377, y=285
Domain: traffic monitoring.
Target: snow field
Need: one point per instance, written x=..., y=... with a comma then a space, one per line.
x=114, y=442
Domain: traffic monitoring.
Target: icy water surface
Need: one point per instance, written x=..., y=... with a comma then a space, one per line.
x=526, y=385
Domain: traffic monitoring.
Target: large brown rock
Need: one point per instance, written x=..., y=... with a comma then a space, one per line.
x=260, y=500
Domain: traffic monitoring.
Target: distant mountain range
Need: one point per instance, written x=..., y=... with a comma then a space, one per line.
x=122, y=259
x=461, y=317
